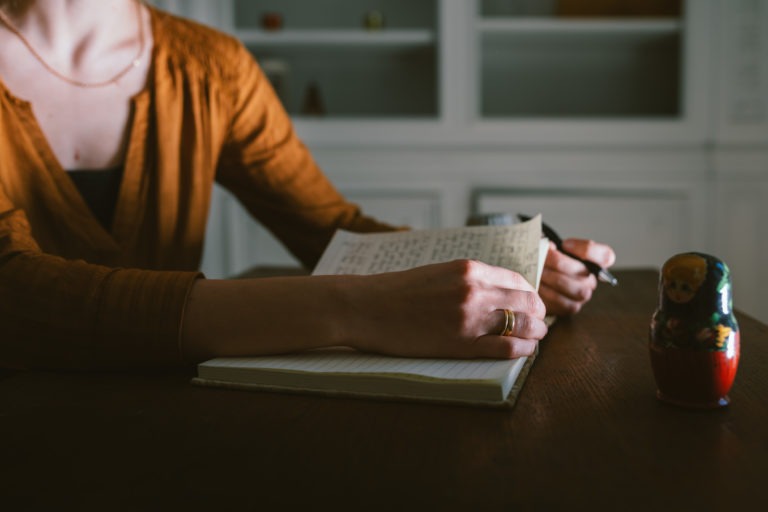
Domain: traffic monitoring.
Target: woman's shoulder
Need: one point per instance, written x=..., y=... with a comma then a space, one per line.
x=194, y=45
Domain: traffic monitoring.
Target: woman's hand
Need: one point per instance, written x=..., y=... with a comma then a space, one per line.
x=566, y=284
x=453, y=309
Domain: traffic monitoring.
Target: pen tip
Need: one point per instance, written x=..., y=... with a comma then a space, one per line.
x=607, y=277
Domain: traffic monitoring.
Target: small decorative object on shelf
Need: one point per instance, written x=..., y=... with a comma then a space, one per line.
x=694, y=336
x=373, y=20
x=272, y=21
x=313, y=101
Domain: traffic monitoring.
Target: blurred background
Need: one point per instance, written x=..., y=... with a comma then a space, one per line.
x=643, y=124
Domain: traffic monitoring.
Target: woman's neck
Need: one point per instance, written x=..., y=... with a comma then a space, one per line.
x=78, y=63
x=70, y=32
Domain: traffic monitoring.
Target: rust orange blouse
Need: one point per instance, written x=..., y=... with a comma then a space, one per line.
x=75, y=295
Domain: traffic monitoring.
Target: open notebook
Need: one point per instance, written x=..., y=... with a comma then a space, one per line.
x=345, y=372
x=341, y=371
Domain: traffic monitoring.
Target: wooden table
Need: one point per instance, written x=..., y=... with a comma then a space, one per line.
x=587, y=433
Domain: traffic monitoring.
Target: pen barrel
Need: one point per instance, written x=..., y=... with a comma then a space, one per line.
x=593, y=267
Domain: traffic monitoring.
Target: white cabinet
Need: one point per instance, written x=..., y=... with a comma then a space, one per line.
x=739, y=154
x=446, y=72
x=629, y=219
x=647, y=132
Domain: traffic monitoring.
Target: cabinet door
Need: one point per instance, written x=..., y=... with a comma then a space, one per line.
x=580, y=60
x=567, y=72
x=644, y=227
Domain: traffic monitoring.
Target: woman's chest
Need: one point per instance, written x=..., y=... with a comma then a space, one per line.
x=84, y=129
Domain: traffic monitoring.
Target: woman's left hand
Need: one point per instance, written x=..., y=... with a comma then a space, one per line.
x=566, y=284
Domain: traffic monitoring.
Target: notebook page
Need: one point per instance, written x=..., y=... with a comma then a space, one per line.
x=516, y=247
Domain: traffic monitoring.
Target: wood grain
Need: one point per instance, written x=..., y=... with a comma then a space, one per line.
x=587, y=433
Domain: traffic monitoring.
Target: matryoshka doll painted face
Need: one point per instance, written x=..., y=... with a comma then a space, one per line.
x=682, y=277
x=694, y=336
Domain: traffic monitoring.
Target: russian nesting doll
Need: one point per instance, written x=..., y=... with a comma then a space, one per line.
x=694, y=336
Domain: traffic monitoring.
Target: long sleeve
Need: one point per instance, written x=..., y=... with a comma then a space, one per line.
x=73, y=294
x=274, y=176
x=68, y=313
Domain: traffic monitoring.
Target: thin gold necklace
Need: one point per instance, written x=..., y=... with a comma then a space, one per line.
x=134, y=63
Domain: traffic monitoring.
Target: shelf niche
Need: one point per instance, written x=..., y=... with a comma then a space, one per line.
x=534, y=63
x=385, y=73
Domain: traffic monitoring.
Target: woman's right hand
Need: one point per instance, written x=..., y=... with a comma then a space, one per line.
x=453, y=309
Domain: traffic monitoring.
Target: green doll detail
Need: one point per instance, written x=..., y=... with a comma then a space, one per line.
x=696, y=304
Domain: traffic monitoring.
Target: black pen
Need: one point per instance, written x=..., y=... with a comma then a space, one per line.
x=599, y=272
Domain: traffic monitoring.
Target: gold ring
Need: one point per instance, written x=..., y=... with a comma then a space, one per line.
x=509, y=323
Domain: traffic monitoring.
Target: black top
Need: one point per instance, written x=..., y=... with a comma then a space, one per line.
x=99, y=188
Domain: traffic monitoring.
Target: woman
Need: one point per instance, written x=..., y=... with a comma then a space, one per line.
x=115, y=120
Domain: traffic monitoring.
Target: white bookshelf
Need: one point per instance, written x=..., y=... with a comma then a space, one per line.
x=447, y=72
x=648, y=133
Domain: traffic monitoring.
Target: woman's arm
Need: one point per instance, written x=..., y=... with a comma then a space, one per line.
x=265, y=165
x=452, y=309
x=59, y=313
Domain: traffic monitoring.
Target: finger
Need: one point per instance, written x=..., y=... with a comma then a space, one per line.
x=576, y=287
x=503, y=347
x=590, y=250
x=564, y=264
x=520, y=325
x=501, y=277
x=559, y=304
x=527, y=303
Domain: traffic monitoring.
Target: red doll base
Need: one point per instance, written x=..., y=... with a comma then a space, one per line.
x=694, y=378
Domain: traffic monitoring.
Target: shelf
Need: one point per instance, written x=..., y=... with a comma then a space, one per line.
x=546, y=27
x=475, y=70
x=354, y=81
x=554, y=68
x=334, y=14
x=337, y=37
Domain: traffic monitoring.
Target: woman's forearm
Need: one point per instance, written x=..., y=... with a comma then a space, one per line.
x=453, y=309
x=263, y=316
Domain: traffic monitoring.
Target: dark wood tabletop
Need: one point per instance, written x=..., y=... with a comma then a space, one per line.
x=587, y=433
